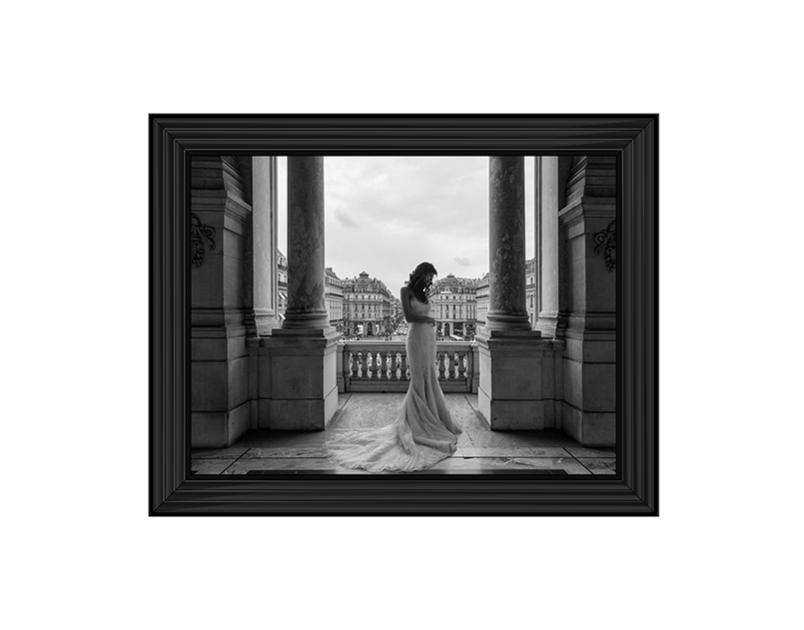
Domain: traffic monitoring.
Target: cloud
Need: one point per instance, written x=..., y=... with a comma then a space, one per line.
x=345, y=220
x=386, y=214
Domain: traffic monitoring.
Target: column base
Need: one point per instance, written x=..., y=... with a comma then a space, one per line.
x=552, y=324
x=590, y=429
x=511, y=415
x=265, y=321
x=297, y=374
x=305, y=322
x=590, y=386
x=517, y=377
x=508, y=323
x=219, y=429
x=219, y=386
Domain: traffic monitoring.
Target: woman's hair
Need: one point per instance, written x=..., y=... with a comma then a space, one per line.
x=421, y=280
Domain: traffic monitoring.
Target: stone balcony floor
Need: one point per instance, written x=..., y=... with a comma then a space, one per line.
x=480, y=450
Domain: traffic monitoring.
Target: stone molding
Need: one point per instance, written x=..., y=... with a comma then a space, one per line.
x=485, y=334
x=221, y=173
x=220, y=200
x=588, y=321
x=292, y=338
x=217, y=330
x=575, y=213
x=232, y=318
x=592, y=176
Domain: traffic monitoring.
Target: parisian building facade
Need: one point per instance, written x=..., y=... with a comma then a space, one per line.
x=333, y=292
x=333, y=296
x=454, y=306
x=530, y=291
x=368, y=307
x=281, y=285
x=482, y=300
x=482, y=295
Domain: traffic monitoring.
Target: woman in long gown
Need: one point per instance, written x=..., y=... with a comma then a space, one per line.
x=423, y=432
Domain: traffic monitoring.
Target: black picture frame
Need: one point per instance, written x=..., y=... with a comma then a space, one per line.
x=633, y=490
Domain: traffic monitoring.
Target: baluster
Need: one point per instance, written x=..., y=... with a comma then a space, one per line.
x=369, y=362
x=406, y=366
x=440, y=358
x=385, y=362
x=359, y=372
x=397, y=376
x=461, y=361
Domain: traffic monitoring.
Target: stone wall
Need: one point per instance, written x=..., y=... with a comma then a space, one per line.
x=589, y=363
x=219, y=372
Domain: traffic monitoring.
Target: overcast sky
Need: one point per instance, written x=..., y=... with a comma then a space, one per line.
x=385, y=215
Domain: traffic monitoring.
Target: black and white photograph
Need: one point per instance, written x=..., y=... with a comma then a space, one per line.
x=403, y=314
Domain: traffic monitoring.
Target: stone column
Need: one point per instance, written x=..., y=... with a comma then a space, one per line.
x=507, y=306
x=306, y=309
x=298, y=362
x=548, y=203
x=264, y=212
x=513, y=383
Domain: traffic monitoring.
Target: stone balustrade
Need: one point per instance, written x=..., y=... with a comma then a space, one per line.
x=382, y=366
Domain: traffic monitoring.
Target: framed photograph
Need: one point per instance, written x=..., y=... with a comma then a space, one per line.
x=403, y=315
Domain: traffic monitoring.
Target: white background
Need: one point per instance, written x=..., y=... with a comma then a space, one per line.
x=79, y=80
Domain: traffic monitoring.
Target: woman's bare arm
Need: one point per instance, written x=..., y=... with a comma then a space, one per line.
x=410, y=316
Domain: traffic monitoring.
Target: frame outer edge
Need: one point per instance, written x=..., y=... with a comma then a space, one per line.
x=171, y=492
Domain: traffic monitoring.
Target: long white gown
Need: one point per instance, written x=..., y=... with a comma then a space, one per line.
x=422, y=434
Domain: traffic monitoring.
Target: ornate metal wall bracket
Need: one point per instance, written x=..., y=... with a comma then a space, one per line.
x=606, y=242
x=199, y=233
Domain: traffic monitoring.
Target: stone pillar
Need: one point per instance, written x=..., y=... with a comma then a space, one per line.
x=551, y=179
x=514, y=383
x=507, y=306
x=220, y=368
x=264, y=210
x=307, y=309
x=547, y=234
x=298, y=362
x=588, y=228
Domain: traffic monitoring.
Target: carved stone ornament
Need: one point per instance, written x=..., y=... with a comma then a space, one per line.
x=606, y=243
x=199, y=233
